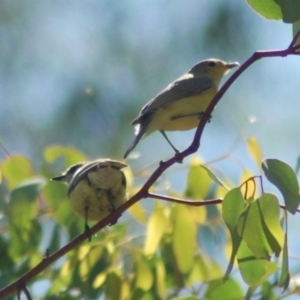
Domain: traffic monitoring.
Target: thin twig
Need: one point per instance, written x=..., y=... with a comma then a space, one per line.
x=184, y=201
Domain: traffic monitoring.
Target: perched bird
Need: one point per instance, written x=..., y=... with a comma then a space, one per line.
x=181, y=104
x=95, y=188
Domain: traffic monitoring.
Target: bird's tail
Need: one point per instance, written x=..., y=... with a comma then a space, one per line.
x=141, y=130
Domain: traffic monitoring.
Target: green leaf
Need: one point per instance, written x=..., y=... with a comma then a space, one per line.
x=228, y=290
x=259, y=226
x=16, y=169
x=214, y=177
x=270, y=218
x=160, y=278
x=266, y=8
x=284, y=279
x=204, y=270
x=254, y=271
x=157, y=226
x=144, y=277
x=296, y=28
x=24, y=228
x=70, y=154
x=232, y=207
x=285, y=179
x=184, y=238
x=198, y=181
x=23, y=206
x=290, y=10
x=251, y=230
x=113, y=285
x=267, y=291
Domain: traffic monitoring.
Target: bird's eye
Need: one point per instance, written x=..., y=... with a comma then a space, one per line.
x=211, y=64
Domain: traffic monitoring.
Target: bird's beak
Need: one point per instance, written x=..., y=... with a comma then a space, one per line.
x=59, y=178
x=232, y=65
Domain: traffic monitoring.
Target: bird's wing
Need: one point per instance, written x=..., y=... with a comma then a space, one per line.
x=93, y=166
x=81, y=173
x=185, y=86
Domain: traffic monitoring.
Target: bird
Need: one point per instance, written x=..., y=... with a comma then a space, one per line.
x=182, y=103
x=96, y=188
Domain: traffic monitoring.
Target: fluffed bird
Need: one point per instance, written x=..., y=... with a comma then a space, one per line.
x=95, y=188
x=182, y=103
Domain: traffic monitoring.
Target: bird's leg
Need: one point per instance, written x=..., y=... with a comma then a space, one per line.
x=112, y=207
x=86, y=226
x=177, y=155
x=165, y=136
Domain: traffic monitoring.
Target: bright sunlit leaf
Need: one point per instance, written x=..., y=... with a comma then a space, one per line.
x=144, y=277
x=198, y=181
x=254, y=150
x=138, y=212
x=156, y=227
x=16, y=169
x=160, y=278
x=249, y=188
x=70, y=154
x=184, y=233
x=214, y=177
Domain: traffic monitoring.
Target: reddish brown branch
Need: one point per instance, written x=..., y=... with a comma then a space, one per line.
x=291, y=50
x=186, y=202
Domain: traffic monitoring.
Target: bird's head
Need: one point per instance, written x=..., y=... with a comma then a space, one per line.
x=68, y=174
x=213, y=68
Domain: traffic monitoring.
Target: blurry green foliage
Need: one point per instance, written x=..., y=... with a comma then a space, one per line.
x=165, y=262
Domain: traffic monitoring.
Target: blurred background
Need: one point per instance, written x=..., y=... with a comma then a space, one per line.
x=77, y=72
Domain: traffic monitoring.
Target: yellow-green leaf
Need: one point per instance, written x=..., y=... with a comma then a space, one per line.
x=228, y=290
x=184, y=238
x=156, y=227
x=266, y=8
x=70, y=154
x=160, y=278
x=213, y=177
x=144, y=277
x=138, y=212
x=254, y=271
x=232, y=207
x=254, y=150
x=270, y=218
x=198, y=181
x=16, y=169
